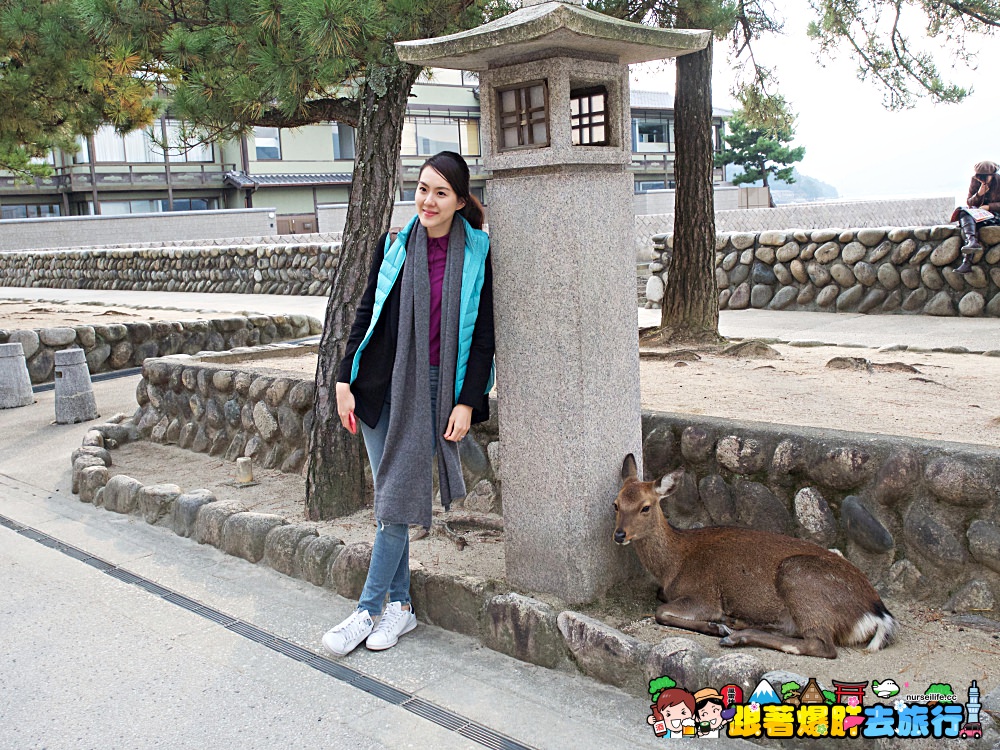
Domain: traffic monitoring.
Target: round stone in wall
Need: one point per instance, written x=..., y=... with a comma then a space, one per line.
x=827, y=295
x=876, y=254
x=814, y=517
x=871, y=237
x=654, y=289
x=893, y=301
x=788, y=251
x=782, y=274
x=842, y=275
x=766, y=254
x=818, y=273
x=739, y=274
x=730, y=261
x=931, y=277
x=785, y=296
x=903, y=252
x=915, y=300
x=888, y=276
x=827, y=252
x=865, y=273
x=761, y=273
x=872, y=299
x=742, y=240
x=947, y=252
x=850, y=298
x=940, y=305
x=972, y=305
x=741, y=297
x=863, y=528
x=798, y=269
x=853, y=252
x=721, y=279
x=772, y=238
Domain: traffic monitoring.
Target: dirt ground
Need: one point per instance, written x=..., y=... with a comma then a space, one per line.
x=17, y=315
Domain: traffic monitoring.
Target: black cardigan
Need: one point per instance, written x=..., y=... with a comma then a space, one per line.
x=371, y=386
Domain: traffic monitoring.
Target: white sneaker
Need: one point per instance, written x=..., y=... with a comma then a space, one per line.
x=395, y=621
x=345, y=637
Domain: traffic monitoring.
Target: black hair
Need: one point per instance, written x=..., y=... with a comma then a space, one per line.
x=453, y=168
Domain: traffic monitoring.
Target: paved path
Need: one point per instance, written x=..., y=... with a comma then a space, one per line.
x=843, y=329
x=94, y=662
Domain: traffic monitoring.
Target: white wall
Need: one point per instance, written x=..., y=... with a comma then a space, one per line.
x=86, y=231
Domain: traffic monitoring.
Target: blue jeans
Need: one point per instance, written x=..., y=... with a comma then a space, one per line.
x=389, y=570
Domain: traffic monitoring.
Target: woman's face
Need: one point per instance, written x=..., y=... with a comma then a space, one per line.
x=436, y=203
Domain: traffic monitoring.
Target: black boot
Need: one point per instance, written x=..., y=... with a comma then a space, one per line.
x=966, y=265
x=968, y=225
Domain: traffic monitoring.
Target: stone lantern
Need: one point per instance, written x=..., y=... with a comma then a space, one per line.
x=556, y=132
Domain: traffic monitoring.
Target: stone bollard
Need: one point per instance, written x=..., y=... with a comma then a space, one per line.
x=74, y=392
x=15, y=383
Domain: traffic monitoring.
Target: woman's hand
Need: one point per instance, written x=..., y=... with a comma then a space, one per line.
x=458, y=423
x=345, y=406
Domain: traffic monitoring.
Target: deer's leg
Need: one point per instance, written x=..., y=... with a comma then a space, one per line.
x=688, y=615
x=810, y=646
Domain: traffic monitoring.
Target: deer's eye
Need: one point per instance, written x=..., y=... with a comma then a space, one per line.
x=615, y=506
x=645, y=509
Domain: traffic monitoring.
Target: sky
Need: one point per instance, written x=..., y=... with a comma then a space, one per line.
x=852, y=142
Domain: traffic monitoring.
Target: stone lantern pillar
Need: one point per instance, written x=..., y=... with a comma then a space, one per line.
x=556, y=136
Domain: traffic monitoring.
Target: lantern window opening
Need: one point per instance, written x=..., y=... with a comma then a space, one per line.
x=589, y=116
x=523, y=116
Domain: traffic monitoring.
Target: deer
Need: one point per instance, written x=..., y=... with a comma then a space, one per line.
x=751, y=588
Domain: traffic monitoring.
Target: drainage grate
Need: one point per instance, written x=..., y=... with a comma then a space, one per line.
x=474, y=731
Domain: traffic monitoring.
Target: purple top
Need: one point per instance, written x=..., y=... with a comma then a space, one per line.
x=437, y=254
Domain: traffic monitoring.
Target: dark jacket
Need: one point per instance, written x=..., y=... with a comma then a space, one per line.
x=371, y=386
x=990, y=201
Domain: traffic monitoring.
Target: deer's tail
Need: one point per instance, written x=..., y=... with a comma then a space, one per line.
x=877, y=627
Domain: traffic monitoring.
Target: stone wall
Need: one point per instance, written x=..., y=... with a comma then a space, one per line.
x=243, y=269
x=74, y=231
x=903, y=212
x=118, y=346
x=921, y=518
x=903, y=270
x=209, y=405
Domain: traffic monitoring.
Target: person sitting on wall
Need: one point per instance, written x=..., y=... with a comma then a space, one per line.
x=984, y=205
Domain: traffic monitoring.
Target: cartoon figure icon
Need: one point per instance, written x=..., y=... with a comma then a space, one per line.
x=885, y=688
x=711, y=713
x=673, y=714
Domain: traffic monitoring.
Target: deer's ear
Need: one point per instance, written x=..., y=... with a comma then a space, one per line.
x=668, y=483
x=629, y=469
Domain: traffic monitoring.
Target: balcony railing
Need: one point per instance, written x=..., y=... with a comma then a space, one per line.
x=78, y=178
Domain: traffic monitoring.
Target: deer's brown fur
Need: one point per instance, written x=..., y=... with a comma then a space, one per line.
x=754, y=588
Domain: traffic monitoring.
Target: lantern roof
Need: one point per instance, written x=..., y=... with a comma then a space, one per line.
x=550, y=29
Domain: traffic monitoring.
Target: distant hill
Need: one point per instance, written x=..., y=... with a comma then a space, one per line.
x=803, y=190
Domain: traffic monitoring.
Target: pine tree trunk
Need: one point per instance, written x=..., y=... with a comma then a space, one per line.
x=335, y=485
x=690, y=309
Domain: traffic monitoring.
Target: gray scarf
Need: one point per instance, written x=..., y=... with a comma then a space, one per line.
x=405, y=475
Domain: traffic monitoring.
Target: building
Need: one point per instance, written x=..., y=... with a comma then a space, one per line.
x=294, y=171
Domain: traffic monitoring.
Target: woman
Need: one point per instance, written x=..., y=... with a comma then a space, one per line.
x=984, y=193
x=417, y=372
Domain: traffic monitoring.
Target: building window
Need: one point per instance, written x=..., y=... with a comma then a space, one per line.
x=343, y=141
x=267, y=142
x=190, y=204
x=523, y=116
x=717, y=135
x=652, y=132
x=426, y=136
x=30, y=211
x=588, y=116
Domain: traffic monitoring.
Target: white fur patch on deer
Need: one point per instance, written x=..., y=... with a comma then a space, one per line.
x=751, y=588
